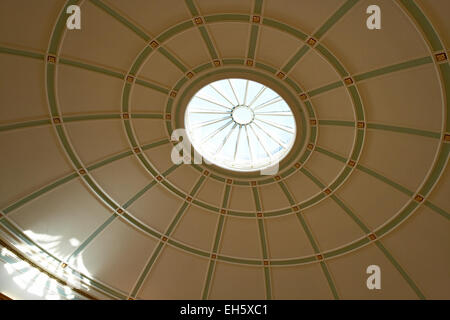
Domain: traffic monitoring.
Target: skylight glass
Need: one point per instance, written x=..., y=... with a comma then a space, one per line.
x=239, y=124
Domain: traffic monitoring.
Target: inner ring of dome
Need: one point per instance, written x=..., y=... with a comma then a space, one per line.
x=243, y=115
x=240, y=124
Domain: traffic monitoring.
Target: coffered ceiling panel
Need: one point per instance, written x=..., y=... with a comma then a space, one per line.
x=88, y=187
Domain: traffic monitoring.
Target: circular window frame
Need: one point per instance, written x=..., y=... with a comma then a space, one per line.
x=229, y=152
x=178, y=106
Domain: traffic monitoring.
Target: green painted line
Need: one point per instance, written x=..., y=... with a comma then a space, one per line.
x=325, y=88
x=203, y=67
x=308, y=232
x=218, y=233
x=290, y=262
x=437, y=209
x=286, y=193
x=146, y=269
x=284, y=27
x=205, y=205
x=312, y=201
x=208, y=42
x=146, y=116
x=385, y=180
x=100, y=193
x=152, y=86
x=297, y=56
x=140, y=60
x=238, y=260
x=109, y=160
x=174, y=190
x=63, y=138
x=126, y=97
x=393, y=68
x=253, y=38
x=350, y=213
x=233, y=62
x=226, y=196
x=256, y=198
x=345, y=173
x=358, y=144
x=418, y=132
x=357, y=102
x=310, y=109
x=241, y=213
x=51, y=89
x=139, y=194
x=329, y=280
x=258, y=6
x=155, y=144
x=268, y=283
x=205, y=291
x=92, y=236
x=39, y=192
x=313, y=178
x=331, y=154
x=262, y=238
x=188, y=249
x=23, y=53
x=175, y=30
x=192, y=8
x=129, y=132
x=397, y=219
x=170, y=170
x=400, y=270
x=141, y=226
x=197, y=185
x=341, y=123
x=91, y=67
x=92, y=117
x=293, y=85
x=335, y=18
x=180, y=83
x=121, y=19
x=173, y=59
x=438, y=168
x=346, y=248
x=332, y=60
x=177, y=218
x=445, y=71
x=27, y=124
x=423, y=22
x=227, y=17
x=265, y=67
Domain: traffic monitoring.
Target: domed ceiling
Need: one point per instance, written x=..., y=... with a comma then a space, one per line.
x=88, y=186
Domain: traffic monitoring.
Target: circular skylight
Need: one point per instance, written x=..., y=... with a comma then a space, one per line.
x=240, y=124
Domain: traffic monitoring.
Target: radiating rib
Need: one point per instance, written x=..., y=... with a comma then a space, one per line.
x=210, y=112
x=272, y=137
x=260, y=142
x=225, y=139
x=281, y=113
x=248, y=142
x=268, y=103
x=276, y=125
x=212, y=134
x=245, y=94
x=232, y=89
x=216, y=103
x=232, y=104
x=207, y=123
x=237, y=142
x=257, y=96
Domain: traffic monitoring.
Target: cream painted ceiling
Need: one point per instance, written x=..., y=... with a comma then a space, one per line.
x=86, y=175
